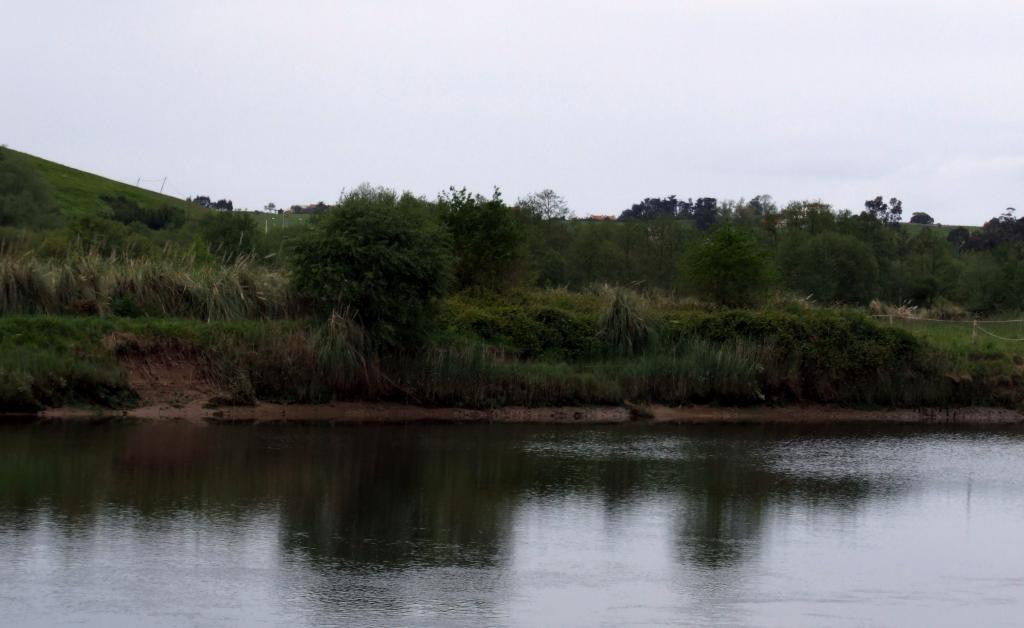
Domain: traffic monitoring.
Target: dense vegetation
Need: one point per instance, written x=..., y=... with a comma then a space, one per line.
x=469, y=300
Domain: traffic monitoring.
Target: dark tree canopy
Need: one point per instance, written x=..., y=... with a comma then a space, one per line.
x=204, y=201
x=890, y=213
x=705, y=213
x=652, y=208
x=546, y=205
x=921, y=218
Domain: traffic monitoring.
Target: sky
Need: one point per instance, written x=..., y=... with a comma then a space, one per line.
x=604, y=101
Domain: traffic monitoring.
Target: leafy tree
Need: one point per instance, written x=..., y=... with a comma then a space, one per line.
x=652, y=208
x=728, y=267
x=546, y=205
x=705, y=213
x=831, y=267
x=958, y=238
x=890, y=213
x=811, y=216
x=925, y=269
x=921, y=218
x=487, y=238
x=763, y=205
x=382, y=255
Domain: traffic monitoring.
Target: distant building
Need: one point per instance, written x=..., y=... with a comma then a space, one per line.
x=601, y=218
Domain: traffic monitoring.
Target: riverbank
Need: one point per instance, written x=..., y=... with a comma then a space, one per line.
x=376, y=413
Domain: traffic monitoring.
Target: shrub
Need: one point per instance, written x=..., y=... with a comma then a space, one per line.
x=381, y=255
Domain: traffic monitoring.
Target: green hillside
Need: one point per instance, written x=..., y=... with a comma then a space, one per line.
x=76, y=192
x=48, y=209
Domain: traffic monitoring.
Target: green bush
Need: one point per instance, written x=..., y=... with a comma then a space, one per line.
x=383, y=256
x=821, y=355
x=531, y=330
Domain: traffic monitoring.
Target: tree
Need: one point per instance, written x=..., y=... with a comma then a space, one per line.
x=921, y=218
x=763, y=205
x=727, y=268
x=384, y=256
x=487, y=238
x=831, y=267
x=890, y=213
x=546, y=205
x=811, y=216
x=652, y=208
x=705, y=213
x=270, y=207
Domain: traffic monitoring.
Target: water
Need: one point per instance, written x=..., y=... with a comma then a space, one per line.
x=129, y=525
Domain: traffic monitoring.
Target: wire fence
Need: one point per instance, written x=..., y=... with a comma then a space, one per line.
x=972, y=327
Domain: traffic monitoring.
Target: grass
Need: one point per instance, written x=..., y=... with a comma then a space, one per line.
x=175, y=285
x=957, y=337
x=78, y=192
x=726, y=357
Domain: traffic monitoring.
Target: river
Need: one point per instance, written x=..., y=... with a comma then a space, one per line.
x=177, y=524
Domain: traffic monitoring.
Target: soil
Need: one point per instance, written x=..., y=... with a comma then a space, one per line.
x=173, y=389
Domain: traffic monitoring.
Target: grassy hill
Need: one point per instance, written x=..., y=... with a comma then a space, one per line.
x=77, y=192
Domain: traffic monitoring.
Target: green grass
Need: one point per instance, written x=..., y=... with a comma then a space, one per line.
x=79, y=193
x=956, y=336
x=939, y=230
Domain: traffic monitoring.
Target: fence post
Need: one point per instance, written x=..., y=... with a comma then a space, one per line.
x=890, y=320
x=974, y=332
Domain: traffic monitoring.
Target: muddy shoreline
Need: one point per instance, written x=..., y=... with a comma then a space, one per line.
x=360, y=412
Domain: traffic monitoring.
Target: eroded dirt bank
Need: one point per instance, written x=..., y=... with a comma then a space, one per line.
x=175, y=390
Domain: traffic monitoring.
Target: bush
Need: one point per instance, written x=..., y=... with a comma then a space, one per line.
x=822, y=355
x=127, y=211
x=528, y=330
x=381, y=255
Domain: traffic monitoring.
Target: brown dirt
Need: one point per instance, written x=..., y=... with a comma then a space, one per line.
x=171, y=388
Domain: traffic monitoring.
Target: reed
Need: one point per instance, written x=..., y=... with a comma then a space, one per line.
x=696, y=370
x=622, y=326
x=175, y=285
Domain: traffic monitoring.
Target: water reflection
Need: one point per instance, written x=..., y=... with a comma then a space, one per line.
x=460, y=522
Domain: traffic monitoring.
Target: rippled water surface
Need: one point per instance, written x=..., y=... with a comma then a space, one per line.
x=130, y=525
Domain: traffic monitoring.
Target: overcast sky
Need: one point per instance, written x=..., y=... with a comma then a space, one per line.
x=604, y=101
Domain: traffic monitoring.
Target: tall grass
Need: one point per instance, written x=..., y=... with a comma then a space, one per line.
x=622, y=326
x=696, y=370
x=176, y=285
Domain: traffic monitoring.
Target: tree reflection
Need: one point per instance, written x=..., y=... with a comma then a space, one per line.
x=393, y=497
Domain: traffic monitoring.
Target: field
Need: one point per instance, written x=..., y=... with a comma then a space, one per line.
x=1003, y=335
